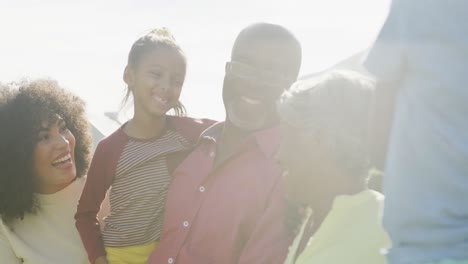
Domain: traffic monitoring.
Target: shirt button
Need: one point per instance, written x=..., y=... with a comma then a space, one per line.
x=211, y=154
x=185, y=223
x=202, y=189
x=170, y=260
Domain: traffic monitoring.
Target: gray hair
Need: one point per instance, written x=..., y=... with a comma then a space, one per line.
x=337, y=104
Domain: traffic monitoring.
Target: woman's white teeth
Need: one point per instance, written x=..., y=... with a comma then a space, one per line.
x=250, y=100
x=65, y=158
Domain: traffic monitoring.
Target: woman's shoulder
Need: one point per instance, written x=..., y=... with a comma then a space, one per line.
x=2, y=227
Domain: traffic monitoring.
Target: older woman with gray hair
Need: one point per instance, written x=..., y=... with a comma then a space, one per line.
x=324, y=152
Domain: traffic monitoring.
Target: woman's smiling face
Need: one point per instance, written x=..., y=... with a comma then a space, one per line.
x=54, y=157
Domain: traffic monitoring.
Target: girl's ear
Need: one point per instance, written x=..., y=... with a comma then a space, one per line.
x=128, y=76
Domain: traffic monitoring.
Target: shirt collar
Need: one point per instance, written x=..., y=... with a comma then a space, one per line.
x=267, y=139
x=213, y=132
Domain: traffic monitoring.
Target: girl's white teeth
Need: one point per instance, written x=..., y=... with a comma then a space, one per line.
x=159, y=99
x=67, y=157
x=250, y=100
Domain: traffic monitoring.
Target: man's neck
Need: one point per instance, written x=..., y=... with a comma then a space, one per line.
x=229, y=141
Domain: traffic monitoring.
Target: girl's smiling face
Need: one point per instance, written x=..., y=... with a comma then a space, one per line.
x=156, y=81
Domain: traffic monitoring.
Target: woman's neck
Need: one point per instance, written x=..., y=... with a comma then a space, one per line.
x=145, y=126
x=321, y=200
x=51, y=189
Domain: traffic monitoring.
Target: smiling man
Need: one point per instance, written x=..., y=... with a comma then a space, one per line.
x=226, y=202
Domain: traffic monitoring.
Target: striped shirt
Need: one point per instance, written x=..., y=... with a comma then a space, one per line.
x=138, y=192
x=103, y=170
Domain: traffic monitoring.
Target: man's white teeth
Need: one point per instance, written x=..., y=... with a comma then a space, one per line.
x=250, y=100
x=67, y=157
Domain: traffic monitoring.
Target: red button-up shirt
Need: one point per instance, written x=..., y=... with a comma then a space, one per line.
x=231, y=214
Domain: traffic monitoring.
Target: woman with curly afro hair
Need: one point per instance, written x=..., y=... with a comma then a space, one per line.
x=45, y=150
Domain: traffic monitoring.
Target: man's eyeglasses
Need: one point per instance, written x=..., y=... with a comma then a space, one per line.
x=246, y=72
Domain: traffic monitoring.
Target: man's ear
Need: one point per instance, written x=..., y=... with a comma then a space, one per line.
x=128, y=76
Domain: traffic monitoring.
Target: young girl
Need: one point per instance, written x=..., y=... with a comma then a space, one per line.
x=136, y=160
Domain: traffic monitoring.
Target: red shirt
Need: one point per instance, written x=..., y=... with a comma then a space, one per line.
x=231, y=214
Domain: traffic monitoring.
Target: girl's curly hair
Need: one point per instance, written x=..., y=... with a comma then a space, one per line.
x=24, y=106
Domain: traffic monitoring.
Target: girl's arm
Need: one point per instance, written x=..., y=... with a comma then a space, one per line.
x=98, y=182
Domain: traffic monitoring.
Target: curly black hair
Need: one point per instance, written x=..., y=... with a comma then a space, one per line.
x=24, y=106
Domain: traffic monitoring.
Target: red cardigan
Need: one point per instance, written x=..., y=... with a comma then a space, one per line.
x=102, y=171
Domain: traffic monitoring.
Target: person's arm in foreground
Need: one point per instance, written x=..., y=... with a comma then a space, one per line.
x=386, y=61
x=382, y=111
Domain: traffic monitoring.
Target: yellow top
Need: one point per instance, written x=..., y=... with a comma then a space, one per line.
x=350, y=233
x=130, y=255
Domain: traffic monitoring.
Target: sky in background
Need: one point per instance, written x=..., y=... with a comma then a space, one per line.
x=84, y=44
